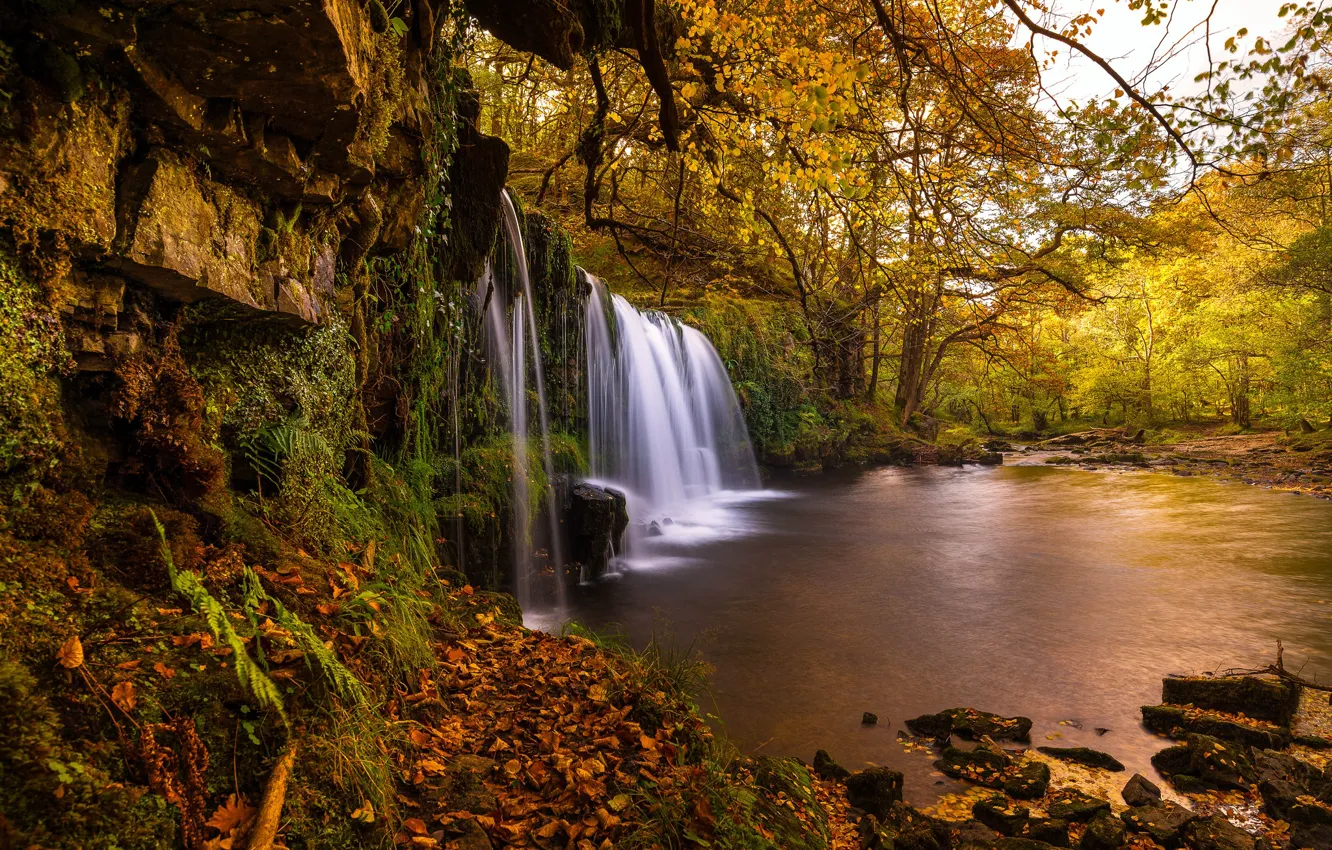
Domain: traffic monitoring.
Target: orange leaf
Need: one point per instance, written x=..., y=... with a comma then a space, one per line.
x=415, y=826
x=70, y=654
x=235, y=812
x=123, y=696
x=164, y=671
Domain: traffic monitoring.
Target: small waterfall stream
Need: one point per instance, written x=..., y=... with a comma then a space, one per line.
x=515, y=348
x=663, y=420
x=664, y=425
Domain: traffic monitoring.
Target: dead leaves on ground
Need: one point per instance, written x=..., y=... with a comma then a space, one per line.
x=552, y=730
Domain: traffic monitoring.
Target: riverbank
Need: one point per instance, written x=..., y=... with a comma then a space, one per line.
x=1295, y=463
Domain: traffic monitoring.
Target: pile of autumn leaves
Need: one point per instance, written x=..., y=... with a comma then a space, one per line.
x=564, y=738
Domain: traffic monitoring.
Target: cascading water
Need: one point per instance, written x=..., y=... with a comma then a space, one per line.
x=664, y=424
x=513, y=348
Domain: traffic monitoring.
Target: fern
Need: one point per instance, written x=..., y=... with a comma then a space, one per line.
x=187, y=584
x=340, y=678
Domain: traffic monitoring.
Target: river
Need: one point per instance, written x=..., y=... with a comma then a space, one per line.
x=1058, y=594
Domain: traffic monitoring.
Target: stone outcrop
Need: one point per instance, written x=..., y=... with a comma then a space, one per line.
x=597, y=517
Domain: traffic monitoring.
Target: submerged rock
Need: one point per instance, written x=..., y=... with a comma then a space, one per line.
x=1084, y=755
x=869, y=718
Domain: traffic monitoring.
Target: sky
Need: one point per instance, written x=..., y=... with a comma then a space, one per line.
x=1121, y=39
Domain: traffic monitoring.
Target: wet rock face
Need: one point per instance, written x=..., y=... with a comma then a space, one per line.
x=875, y=790
x=1263, y=699
x=598, y=517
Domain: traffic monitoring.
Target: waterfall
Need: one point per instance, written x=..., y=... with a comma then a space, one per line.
x=664, y=424
x=513, y=349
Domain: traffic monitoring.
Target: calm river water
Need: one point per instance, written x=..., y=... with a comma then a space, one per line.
x=1058, y=594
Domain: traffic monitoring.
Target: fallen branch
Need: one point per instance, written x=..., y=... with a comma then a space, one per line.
x=270, y=808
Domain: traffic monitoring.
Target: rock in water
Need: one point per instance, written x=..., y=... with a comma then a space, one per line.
x=1050, y=831
x=1104, y=832
x=598, y=517
x=1084, y=755
x=826, y=768
x=869, y=718
x=875, y=790
x=1075, y=806
x=1219, y=763
x=1029, y=781
x=1264, y=699
x=1216, y=833
x=1163, y=821
x=971, y=724
x=653, y=530
x=1141, y=791
x=982, y=766
x=1001, y=816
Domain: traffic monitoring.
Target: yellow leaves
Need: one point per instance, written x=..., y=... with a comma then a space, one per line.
x=365, y=814
x=70, y=654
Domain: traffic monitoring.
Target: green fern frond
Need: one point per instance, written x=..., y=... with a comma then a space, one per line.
x=187, y=584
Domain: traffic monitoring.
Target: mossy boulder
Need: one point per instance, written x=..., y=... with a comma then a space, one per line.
x=1261, y=698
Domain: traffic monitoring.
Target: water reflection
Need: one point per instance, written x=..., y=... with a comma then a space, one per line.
x=1059, y=594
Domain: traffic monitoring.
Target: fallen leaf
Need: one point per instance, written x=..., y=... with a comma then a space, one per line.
x=365, y=814
x=123, y=696
x=130, y=665
x=70, y=654
x=415, y=826
x=164, y=671
x=235, y=812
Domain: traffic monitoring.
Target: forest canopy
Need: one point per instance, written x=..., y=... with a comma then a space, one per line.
x=894, y=194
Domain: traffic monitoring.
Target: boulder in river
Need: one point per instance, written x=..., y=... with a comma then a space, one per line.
x=970, y=724
x=1072, y=805
x=1141, y=791
x=1262, y=698
x=1311, y=825
x=1028, y=781
x=874, y=790
x=653, y=529
x=869, y=718
x=1164, y=822
x=598, y=517
x=1050, y=831
x=983, y=765
x=1104, y=832
x=1220, y=763
x=1216, y=833
x=1085, y=756
x=1000, y=815
x=826, y=768
x=1177, y=722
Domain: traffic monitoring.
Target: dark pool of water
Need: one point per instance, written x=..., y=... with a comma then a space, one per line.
x=1057, y=594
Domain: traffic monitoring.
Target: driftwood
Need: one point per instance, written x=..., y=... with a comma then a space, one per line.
x=270, y=808
x=1279, y=670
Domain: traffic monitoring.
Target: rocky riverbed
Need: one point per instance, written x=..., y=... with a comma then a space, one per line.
x=1246, y=767
x=1299, y=463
